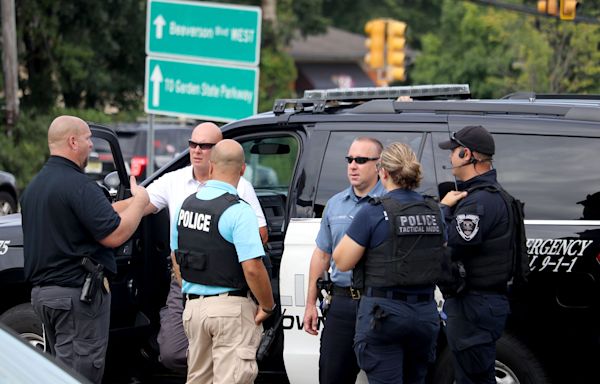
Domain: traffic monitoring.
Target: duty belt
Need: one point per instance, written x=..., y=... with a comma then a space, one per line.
x=346, y=292
x=396, y=295
x=239, y=293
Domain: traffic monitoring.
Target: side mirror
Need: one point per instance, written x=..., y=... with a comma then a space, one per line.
x=112, y=183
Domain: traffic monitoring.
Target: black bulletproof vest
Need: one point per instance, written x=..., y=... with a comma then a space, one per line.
x=491, y=265
x=204, y=256
x=412, y=255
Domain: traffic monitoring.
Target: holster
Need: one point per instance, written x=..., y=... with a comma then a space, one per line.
x=94, y=280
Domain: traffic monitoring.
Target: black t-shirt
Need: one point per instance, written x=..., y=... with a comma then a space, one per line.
x=65, y=213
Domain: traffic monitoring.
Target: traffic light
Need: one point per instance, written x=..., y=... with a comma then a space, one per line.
x=375, y=42
x=548, y=6
x=395, y=50
x=567, y=9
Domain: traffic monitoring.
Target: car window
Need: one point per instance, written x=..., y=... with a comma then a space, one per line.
x=334, y=177
x=539, y=170
x=270, y=161
x=100, y=162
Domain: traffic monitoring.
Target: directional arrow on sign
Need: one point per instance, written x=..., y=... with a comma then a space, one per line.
x=156, y=79
x=159, y=23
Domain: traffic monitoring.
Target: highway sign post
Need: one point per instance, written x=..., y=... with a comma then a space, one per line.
x=204, y=31
x=200, y=90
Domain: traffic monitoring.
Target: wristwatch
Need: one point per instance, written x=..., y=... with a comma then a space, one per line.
x=269, y=311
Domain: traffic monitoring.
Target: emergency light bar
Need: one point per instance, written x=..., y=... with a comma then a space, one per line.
x=387, y=92
x=321, y=99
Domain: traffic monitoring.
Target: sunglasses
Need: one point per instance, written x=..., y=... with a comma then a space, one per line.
x=456, y=140
x=203, y=146
x=360, y=159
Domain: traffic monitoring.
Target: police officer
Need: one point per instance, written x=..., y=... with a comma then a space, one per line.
x=66, y=219
x=337, y=362
x=219, y=251
x=478, y=221
x=169, y=191
x=395, y=245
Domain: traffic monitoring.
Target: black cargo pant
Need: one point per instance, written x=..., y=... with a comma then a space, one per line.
x=475, y=322
x=76, y=332
x=337, y=362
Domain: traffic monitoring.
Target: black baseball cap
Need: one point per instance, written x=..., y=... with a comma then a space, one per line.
x=474, y=137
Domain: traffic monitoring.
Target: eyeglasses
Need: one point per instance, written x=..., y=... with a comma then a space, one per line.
x=203, y=146
x=360, y=159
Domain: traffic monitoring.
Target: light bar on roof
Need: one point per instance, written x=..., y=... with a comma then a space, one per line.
x=387, y=92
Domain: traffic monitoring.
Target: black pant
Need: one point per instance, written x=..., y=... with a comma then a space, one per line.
x=76, y=332
x=337, y=363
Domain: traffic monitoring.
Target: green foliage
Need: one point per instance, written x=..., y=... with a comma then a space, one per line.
x=277, y=76
x=85, y=54
x=499, y=52
x=24, y=152
x=26, y=149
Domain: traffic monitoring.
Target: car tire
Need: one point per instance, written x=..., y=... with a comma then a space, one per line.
x=515, y=363
x=8, y=204
x=23, y=320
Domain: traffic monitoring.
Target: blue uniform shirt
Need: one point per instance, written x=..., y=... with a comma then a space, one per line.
x=479, y=216
x=338, y=215
x=237, y=225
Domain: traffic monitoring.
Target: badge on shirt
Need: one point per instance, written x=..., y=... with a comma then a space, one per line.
x=467, y=226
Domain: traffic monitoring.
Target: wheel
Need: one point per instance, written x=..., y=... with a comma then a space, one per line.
x=23, y=320
x=8, y=204
x=515, y=364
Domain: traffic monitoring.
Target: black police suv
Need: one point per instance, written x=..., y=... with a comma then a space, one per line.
x=546, y=156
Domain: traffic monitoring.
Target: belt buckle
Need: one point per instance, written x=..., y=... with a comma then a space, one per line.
x=354, y=293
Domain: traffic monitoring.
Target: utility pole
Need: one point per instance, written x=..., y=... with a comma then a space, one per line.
x=10, y=64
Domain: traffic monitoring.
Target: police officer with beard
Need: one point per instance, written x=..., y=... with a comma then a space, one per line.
x=395, y=245
x=479, y=234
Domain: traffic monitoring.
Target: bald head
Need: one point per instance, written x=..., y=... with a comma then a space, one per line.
x=70, y=137
x=207, y=133
x=227, y=162
x=62, y=128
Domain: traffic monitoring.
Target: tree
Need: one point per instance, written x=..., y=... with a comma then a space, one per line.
x=85, y=54
x=500, y=52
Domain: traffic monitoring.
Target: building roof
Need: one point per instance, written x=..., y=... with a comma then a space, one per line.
x=335, y=45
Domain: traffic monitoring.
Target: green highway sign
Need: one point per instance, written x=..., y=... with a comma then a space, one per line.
x=200, y=90
x=203, y=31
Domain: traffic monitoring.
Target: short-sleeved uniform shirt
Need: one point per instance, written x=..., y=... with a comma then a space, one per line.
x=370, y=227
x=65, y=214
x=237, y=225
x=338, y=215
x=173, y=188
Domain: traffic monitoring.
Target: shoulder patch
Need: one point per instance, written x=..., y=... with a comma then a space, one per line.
x=467, y=226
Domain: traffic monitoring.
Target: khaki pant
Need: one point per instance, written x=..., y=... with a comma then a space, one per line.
x=223, y=339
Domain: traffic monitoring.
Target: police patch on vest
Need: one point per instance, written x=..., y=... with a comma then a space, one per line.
x=417, y=225
x=467, y=226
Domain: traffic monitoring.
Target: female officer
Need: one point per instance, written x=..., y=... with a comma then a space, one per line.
x=395, y=246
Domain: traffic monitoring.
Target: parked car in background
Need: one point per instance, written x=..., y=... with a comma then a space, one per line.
x=169, y=141
x=8, y=193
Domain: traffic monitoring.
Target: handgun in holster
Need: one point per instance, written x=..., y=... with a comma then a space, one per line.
x=324, y=286
x=267, y=339
x=94, y=279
